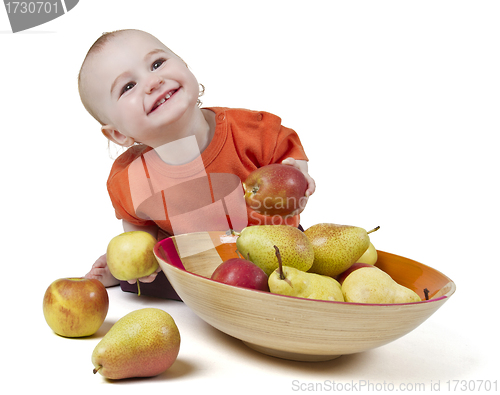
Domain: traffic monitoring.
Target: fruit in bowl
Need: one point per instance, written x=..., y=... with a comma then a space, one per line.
x=241, y=273
x=293, y=282
x=75, y=307
x=290, y=327
x=358, y=265
x=257, y=244
x=369, y=256
x=336, y=247
x=372, y=285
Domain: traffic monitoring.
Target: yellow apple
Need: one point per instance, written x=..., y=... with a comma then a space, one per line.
x=370, y=255
x=130, y=255
x=75, y=307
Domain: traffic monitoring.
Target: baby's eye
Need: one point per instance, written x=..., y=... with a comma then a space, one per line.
x=157, y=63
x=127, y=87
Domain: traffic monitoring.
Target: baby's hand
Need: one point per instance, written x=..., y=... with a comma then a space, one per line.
x=311, y=185
x=302, y=166
x=147, y=279
x=100, y=271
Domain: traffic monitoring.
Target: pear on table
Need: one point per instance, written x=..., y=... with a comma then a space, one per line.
x=336, y=247
x=293, y=282
x=257, y=244
x=143, y=343
x=372, y=285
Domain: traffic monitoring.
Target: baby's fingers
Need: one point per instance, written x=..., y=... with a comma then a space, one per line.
x=147, y=279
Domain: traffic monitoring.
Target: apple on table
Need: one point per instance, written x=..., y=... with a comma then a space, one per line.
x=75, y=307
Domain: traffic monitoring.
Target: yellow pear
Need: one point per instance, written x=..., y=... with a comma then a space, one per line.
x=256, y=244
x=366, y=285
x=143, y=343
x=293, y=282
x=370, y=256
x=336, y=247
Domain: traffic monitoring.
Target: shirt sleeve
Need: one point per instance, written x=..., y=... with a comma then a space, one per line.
x=260, y=139
x=279, y=142
x=288, y=145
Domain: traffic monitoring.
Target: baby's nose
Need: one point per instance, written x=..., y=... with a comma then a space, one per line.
x=153, y=83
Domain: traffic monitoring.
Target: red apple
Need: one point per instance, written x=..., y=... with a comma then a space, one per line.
x=75, y=307
x=358, y=265
x=242, y=273
x=275, y=190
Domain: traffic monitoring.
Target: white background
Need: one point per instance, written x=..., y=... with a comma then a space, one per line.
x=397, y=106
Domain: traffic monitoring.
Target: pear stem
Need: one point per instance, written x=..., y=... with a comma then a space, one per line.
x=373, y=230
x=96, y=369
x=138, y=288
x=280, y=265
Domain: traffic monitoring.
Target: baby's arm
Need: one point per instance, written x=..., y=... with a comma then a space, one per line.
x=100, y=270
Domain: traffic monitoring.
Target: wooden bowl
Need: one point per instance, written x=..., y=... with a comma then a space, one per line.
x=289, y=327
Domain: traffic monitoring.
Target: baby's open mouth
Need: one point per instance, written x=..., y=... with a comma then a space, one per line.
x=163, y=100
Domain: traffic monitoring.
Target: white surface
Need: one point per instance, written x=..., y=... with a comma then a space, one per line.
x=397, y=105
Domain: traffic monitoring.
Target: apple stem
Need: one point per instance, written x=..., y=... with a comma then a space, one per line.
x=248, y=256
x=238, y=253
x=138, y=288
x=96, y=369
x=280, y=265
x=373, y=230
x=426, y=292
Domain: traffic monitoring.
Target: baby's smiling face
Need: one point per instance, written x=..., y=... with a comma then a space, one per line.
x=138, y=88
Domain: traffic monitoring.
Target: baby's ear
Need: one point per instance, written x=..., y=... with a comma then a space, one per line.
x=116, y=137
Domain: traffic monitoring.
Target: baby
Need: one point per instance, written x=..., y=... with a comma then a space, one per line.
x=183, y=169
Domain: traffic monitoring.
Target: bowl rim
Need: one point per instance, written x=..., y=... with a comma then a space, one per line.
x=162, y=254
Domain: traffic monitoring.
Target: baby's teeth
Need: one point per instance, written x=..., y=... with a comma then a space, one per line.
x=161, y=101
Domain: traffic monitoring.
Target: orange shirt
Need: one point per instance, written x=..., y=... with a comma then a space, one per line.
x=205, y=194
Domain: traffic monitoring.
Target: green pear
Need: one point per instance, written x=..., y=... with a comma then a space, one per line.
x=370, y=256
x=293, y=282
x=256, y=244
x=143, y=343
x=366, y=285
x=336, y=247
